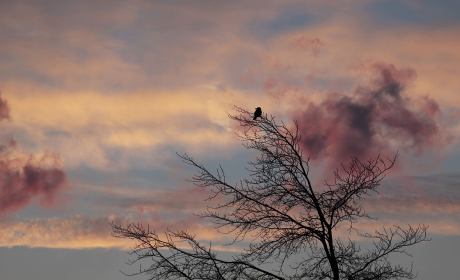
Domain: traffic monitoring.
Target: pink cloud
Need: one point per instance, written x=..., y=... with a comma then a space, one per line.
x=378, y=118
x=25, y=177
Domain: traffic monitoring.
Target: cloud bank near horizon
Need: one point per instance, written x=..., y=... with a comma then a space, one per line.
x=401, y=201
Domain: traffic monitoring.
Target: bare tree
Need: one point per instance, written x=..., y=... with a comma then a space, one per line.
x=285, y=215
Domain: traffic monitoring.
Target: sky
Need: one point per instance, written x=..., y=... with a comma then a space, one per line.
x=97, y=97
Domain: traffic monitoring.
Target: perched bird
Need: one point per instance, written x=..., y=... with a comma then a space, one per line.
x=257, y=113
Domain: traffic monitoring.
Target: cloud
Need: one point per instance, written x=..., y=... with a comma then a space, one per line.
x=435, y=227
x=115, y=75
x=140, y=124
x=404, y=201
x=429, y=197
x=378, y=118
x=78, y=232
x=178, y=202
x=82, y=232
x=24, y=177
x=4, y=109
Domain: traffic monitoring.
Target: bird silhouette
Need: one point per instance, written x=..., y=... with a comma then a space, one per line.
x=257, y=113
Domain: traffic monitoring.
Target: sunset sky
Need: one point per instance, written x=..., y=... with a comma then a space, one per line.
x=98, y=96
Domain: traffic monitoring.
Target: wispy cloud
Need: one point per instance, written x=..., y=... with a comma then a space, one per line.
x=431, y=197
x=81, y=232
x=78, y=232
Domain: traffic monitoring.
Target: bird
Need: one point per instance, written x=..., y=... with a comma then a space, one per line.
x=257, y=113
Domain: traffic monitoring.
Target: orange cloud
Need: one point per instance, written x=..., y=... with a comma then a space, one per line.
x=78, y=232
x=82, y=232
x=147, y=119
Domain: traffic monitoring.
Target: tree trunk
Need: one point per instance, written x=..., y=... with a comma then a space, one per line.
x=335, y=268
